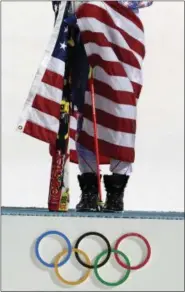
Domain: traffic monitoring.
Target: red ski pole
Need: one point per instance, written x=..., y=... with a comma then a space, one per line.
x=95, y=134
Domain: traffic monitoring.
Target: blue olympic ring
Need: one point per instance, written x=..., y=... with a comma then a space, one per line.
x=53, y=232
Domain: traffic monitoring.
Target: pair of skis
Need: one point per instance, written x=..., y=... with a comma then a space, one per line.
x=59, y=183
x=59, y=196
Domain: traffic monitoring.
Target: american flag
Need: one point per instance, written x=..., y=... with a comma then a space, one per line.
x=40, y=117
x=113, y=37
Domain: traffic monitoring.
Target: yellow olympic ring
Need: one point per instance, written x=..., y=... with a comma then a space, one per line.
x=83, y=278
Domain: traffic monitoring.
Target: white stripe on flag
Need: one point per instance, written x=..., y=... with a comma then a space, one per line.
x=116, y=82
x=50, y=92
x=56, y=65
x=109, y=135
x=72, y=144
x=106, y=53
x=134, y=74
x=111, y=107
x=44, y=120
x=73, y=123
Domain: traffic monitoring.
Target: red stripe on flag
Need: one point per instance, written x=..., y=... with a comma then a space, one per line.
x=46, y=106
x=72, y=134
x=90, y=10
x=137, y=89
x=121, y=97
x=111, y=68
x=54, y=79
x=107, y=149
x=73, y=156
x=109, y=121
x=122, y=54
x=40, y=133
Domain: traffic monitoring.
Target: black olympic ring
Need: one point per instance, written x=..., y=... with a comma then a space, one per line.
x=126, y=264
x=108, y=249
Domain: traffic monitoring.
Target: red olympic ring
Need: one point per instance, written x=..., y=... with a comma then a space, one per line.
x=144, y=262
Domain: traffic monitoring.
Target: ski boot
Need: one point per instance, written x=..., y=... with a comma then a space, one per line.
x=115, y=185
x=89, y=197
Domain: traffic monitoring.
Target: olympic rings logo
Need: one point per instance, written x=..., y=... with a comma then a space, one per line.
x=97, y=264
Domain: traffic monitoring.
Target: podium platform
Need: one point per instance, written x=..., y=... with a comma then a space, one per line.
x=22, y=270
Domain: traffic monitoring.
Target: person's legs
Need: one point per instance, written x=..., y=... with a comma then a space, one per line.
x=114, y=184
x=86, y=160
x=120, y=167
x=87, y=180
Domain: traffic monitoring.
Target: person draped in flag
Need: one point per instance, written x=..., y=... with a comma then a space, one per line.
x=105, y=38
x=115, y=184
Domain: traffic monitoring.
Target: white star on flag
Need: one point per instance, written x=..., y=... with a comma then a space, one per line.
x=63, y=46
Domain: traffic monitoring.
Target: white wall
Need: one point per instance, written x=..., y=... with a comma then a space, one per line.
x=157, y=182
x=22, y=272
